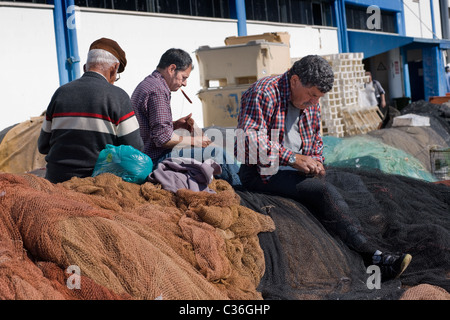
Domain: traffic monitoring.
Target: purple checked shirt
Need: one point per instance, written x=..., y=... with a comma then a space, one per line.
x=151, y=104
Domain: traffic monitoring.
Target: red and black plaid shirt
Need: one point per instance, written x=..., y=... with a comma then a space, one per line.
x=263, y=110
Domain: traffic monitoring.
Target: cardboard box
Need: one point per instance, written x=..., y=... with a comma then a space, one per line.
x=241, y=64
x=221, y=105
x=280, y=37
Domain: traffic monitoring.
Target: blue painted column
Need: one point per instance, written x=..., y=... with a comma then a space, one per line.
x=66, y=41
x=433, y=72
x=61, y=49
x=433, y=24
x=241, y=18
x=72, y=40
x=401, y=23
x=341, y=24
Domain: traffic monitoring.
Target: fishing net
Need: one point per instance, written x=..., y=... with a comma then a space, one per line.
x=425, y=292
x=398, y=150
x=128, y=241
x=439, y=115
x=141, y=242
x=396, y=213
x=416, y=141
x=364, y=151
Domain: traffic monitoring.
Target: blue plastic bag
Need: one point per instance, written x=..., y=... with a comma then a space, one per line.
x=124, y=161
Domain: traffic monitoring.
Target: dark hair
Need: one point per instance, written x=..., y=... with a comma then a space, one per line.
x=178, y=57
x=314, y=71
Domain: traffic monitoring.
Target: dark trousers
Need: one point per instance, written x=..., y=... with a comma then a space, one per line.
x=321, y=198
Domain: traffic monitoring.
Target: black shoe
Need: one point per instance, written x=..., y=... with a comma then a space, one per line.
x=392, y=265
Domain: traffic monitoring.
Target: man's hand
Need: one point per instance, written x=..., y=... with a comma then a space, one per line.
x=200, y=141
x=308, y=165
x=183, y=141
x=186, y=123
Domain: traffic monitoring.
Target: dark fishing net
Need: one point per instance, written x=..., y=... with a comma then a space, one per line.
x=395, y=213
x=439, y=115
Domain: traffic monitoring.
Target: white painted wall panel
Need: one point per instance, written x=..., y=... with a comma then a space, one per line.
x=418, y=18
x=29, y=65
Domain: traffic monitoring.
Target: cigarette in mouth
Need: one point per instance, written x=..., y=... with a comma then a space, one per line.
x=186, y=96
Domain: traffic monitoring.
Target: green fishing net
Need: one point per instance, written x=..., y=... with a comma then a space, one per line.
x=366, y=152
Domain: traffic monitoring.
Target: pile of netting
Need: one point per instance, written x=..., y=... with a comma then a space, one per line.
x=367, y=152
x=439, y=115
x=141, y=242
x=415, y=141
x=128, y=241
x=397, y=150
x=396, y=214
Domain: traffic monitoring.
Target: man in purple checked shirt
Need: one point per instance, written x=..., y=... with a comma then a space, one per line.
x=151, y=103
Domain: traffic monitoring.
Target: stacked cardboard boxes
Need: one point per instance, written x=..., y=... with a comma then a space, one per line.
x=226, y=72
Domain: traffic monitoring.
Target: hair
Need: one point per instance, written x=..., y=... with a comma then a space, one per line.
x=313, y=71
x=178, y=57
x=101, y=59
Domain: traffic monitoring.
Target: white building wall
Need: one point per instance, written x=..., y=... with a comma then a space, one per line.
x=395, y=74
x=28, y=34
x=304, y=39
x=29, y=64
x=418, y=18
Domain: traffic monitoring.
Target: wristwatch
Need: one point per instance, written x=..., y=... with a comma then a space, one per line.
x=292, y=159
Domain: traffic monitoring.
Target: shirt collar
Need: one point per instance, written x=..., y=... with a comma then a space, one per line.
x=158, y=75
x=95, y=74
x=285, y=91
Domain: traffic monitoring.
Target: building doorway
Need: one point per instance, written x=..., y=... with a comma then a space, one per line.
x=416, y=80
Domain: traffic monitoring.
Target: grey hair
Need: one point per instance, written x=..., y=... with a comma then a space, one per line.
x=101, y=59
x=314, y=71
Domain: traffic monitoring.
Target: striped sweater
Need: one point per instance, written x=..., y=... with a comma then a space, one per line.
x=82, y=118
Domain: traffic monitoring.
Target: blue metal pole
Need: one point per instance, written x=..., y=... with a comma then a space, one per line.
x=241, y=18
x=72, y=41
x=337, y=22
x=60, y=39
x=66, y=40
x=433, y=25
x=341, y=24
x=401, y=23
x=433, y=72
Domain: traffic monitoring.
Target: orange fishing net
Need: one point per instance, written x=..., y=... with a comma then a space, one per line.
x=129, y=241
x=425, y=292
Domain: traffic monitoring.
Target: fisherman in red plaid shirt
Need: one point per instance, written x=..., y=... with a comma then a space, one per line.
x=279, y=132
